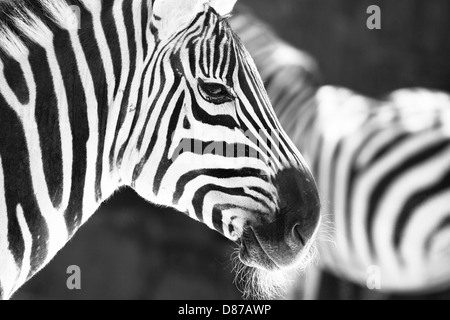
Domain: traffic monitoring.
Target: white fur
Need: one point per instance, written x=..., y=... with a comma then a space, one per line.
x=11, y=44
x=8, y=268
x=223, y=7
x=33, y=27
x=256, y=283
x=61, y=13
x=177, y=14
x=28, y=243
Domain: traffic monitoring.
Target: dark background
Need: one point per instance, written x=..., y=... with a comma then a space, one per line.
x=411, y=49
x=131, y=250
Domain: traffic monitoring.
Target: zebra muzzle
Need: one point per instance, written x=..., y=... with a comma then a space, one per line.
x=279, y=244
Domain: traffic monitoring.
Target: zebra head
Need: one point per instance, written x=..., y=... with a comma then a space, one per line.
x=217, y=151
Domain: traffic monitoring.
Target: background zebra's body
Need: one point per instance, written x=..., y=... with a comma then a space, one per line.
x=382, y=166
x=385, y=169
x=123, y=97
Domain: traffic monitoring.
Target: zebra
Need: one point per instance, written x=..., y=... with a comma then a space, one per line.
x=98, y=95
x=382, y=167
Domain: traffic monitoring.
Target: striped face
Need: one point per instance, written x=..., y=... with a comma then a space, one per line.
x=216, y=150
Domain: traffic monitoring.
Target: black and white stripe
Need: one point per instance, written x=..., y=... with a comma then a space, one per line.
x=382, y=166
x=114, y=103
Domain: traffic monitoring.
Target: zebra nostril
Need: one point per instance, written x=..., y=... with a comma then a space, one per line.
x=296, y=232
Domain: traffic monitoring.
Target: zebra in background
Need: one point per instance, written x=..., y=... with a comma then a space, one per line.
x=382, y=167
x=119, y=98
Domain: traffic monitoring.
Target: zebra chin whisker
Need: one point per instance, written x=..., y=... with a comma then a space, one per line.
x=327, y=231
x=261, y=284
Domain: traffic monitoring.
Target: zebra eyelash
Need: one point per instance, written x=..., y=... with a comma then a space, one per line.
x=215, y=92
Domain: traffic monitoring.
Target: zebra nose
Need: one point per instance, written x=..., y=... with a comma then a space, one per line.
x=297, y=235
x=299, y=207
x=284, y=239
x=299, y=228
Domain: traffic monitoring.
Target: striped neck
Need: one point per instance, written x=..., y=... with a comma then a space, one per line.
x=110, y=52
x=68, y=100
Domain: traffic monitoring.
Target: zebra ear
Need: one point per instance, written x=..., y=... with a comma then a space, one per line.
x=223, y=7
x=172, y=16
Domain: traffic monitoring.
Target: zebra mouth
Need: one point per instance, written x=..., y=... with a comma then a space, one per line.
x=252, y=253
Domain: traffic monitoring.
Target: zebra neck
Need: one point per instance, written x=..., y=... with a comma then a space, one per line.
x=107, y=57
x=67, y=107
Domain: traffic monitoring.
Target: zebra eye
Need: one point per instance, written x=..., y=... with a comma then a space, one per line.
x=214, y=92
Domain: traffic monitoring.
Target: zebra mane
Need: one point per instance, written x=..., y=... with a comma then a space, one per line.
x=25, y=21
x=22, y=21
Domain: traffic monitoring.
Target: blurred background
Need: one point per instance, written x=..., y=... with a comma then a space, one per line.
x=132, y=250
x=411, y=49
